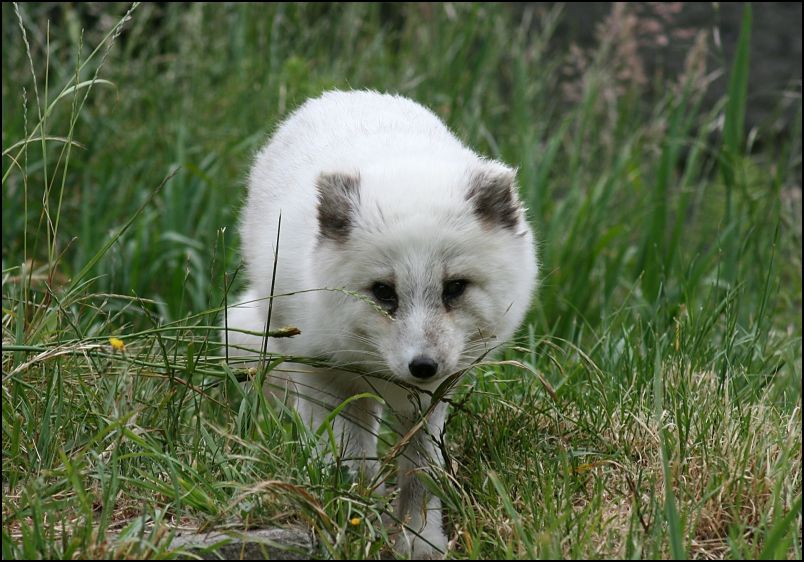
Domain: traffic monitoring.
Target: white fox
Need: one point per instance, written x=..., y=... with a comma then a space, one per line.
x=431, y=256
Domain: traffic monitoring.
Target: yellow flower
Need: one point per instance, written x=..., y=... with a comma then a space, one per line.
x=117, y=344
x=355, y=521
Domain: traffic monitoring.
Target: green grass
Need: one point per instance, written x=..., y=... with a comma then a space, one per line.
x=668, y=320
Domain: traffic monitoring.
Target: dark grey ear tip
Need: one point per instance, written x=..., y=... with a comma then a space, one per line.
x=338, y=198
x=345, y=183
x=493, y=195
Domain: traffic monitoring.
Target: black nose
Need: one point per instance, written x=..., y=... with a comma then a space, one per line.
x=423, y=367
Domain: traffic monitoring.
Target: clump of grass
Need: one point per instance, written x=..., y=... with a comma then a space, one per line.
x=668, y=322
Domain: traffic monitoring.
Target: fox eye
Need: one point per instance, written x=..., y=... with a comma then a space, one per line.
x=385, y=295
x=452, y=290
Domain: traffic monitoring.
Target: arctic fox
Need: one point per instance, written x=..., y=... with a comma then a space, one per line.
x=409, y=257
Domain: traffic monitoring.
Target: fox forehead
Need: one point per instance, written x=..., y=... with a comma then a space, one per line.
x=412, y=258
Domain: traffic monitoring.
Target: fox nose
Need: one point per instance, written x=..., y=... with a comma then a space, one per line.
x=423, y=367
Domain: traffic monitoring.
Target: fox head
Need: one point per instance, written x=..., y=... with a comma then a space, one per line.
x=437, y=265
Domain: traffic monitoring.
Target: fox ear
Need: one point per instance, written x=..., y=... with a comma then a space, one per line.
x=493, y=195
x=338, y=197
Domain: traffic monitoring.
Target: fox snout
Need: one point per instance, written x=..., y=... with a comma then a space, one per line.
x=423, y=367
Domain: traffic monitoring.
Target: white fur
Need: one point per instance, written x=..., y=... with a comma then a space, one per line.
x=413, y=226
